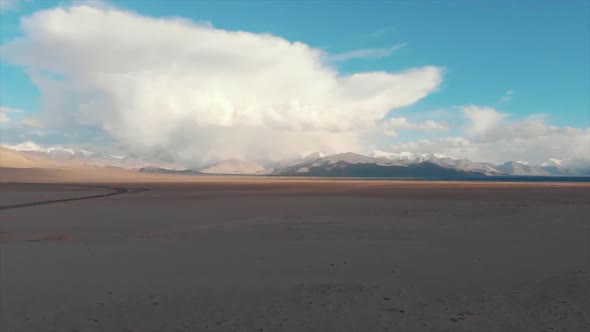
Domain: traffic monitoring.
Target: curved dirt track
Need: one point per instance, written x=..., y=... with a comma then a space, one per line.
x=115, y=191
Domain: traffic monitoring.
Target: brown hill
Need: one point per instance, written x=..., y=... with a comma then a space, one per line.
x=16, y=159
x=17, y=166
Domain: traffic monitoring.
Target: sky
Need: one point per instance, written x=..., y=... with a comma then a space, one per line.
x=199, y=81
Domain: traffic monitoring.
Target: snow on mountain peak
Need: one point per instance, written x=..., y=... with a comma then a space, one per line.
x=442, y=156
x=409, y=156
x=552, y=162
x=30, y=146
x=392, y=155
x=26, y=146
x=317, y=155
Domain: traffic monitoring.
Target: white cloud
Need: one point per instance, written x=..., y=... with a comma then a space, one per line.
x=453, y=146
x=368, y=53
x=507, y=96
x=5, y=109
x=4, y=118
x=531, y=127
x=393, y=126
x=530, y=139
x=32, y=122
x=197, y=92
x=482, y=119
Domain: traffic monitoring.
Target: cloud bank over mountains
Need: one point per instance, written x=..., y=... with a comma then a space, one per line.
x=194, y=94
x=393, y=126
x=490, y=135
x=167, y=85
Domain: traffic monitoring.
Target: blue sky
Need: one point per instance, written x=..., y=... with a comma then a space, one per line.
x=520, y=58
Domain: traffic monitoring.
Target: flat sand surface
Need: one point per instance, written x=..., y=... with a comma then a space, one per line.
x=18, y=194
x=239, y=254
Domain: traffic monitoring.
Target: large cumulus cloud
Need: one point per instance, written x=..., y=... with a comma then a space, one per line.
x=197, y=93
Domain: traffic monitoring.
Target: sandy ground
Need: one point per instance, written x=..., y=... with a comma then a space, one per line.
x=259, y=255
x=18, y=194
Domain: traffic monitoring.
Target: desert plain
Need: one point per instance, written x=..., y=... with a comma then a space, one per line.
x=109, y=250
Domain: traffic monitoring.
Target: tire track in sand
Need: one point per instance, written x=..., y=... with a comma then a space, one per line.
x=115, y=191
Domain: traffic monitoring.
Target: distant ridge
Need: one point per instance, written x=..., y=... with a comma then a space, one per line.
x=356, y=165
x=348, y=164
x=160, y=170
x=517, y=168
x=236, y=166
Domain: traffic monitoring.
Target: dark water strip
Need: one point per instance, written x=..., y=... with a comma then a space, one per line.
x=510, y=178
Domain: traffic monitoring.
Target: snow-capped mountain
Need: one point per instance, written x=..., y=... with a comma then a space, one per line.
x=552, y=167
x=568, y=163
x=57, y=149
x=353, y=158
x=304, y=158
x=393, y=155
x=519, y=168
x=409, y=156
x=573, y=166
x=468, y=165
x=378, y=163
x=357, y=165
x=438, y=159
x=382, y=163
x=552, y=162
x=88, y=156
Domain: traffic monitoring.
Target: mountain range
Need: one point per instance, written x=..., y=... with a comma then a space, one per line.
x=84, y=155
x=425, y=165
x=377, y=164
